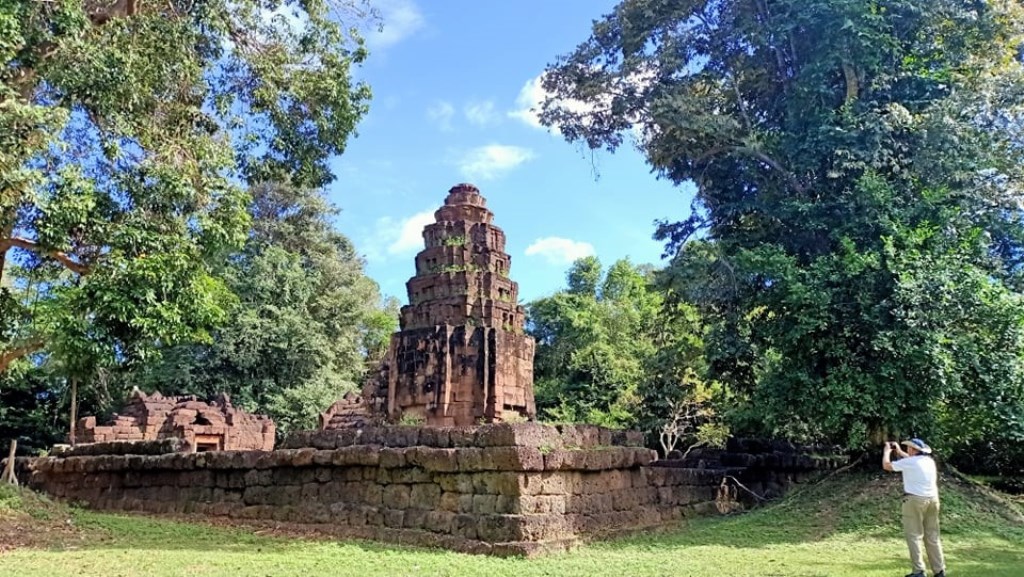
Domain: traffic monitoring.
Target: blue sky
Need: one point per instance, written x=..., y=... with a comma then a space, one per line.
x=453, y=81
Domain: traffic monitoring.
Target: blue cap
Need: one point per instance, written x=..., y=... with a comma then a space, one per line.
x=919, y=445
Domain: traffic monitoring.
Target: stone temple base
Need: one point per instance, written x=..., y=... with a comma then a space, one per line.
x=495, y=489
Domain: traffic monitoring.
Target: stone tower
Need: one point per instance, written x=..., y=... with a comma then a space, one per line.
x=461, y=356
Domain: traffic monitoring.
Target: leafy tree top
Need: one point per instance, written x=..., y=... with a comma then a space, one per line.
x=126, y=127
x=858, y=166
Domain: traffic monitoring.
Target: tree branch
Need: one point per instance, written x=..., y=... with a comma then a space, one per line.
x=30, y=245
x=852, y=86
x=24, y=349
x=108, y=10
x=757, y=154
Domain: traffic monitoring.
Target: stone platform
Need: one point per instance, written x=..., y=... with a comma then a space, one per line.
x=506, y=489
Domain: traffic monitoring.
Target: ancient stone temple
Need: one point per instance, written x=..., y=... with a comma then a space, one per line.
x=461, y=356
x=215, y=426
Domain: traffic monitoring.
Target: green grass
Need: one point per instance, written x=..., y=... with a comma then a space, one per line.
x=846, y=526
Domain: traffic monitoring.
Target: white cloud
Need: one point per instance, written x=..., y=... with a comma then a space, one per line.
x=481, y=113
x=410, y=233
x=396, y=236
x=441, y=113
x=491, y=161
x=399, y=20
x=557, y=250
x=532, y=96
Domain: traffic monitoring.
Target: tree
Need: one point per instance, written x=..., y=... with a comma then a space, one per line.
x=584, y=276
x=126, y=128
x=694, y=423
x=839, y=148
x=30, y=408
x=592, y=342
x=306, y=321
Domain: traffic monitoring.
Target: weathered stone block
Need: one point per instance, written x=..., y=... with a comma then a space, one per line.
x=499, y=528
x=362, y=455
x=439, y=521
x=518, y=434
x=392, y=458
x=394, y=518
x=432, y=459
x=465, y=504
x=373, y=494
x=414, y=518
x=484, y=504
x=462, y=437
x=505, y=504
x=449, y=501
x=410, y=475
x=396, y=496
x=496, y=483
x=464, y=526
x=322, y=440
x=369, y=436
x=516, y=459
x=425, y=496
x=437, y=437
x=401, y=436
x=470, y=459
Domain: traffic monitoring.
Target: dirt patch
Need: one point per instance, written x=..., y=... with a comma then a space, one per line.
x=30, y=520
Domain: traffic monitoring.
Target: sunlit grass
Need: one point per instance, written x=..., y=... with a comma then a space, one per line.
x=847, y=526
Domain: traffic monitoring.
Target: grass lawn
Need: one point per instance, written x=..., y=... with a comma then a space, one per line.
x=846, y=526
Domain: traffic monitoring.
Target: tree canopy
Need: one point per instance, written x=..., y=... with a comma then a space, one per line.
x=608, y=352
x=128, y=131
x=855, y=239
x=305, y=323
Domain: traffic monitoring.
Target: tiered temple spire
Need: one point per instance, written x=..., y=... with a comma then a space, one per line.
x=461, y=356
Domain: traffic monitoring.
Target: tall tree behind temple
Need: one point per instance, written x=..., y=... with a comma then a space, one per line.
x=306, y=321
x=859, y=167
x=593, y=340
x=128, y=131
x=125, y=130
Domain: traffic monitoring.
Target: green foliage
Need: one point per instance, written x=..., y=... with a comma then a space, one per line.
x=584, y=276
x=31, y=406
x=457, y=268
x=126, y=129
x=411, y=420
x=306, y=322
x=378, y=326
x=455, y=241
x=855, y=246
x=593, y=341
x=10, y=497
x=693, y=421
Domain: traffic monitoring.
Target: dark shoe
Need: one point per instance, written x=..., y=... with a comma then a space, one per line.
x=941, y=573
x=918, y=574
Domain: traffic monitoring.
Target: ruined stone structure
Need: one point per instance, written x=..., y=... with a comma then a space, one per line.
x=216, y=426
x=461, y=356
x=352, y=410
x=496, y=489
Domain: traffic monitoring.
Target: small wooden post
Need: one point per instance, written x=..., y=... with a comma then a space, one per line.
x=8, y=475
x=74, y=409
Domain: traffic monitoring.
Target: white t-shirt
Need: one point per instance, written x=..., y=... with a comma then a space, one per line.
x=919, y=475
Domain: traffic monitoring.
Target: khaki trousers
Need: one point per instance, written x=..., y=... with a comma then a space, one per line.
x=921, y=522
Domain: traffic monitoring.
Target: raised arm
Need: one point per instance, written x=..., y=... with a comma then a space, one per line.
x=887, y=456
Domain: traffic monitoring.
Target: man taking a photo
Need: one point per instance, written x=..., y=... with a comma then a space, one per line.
x=920, y=503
